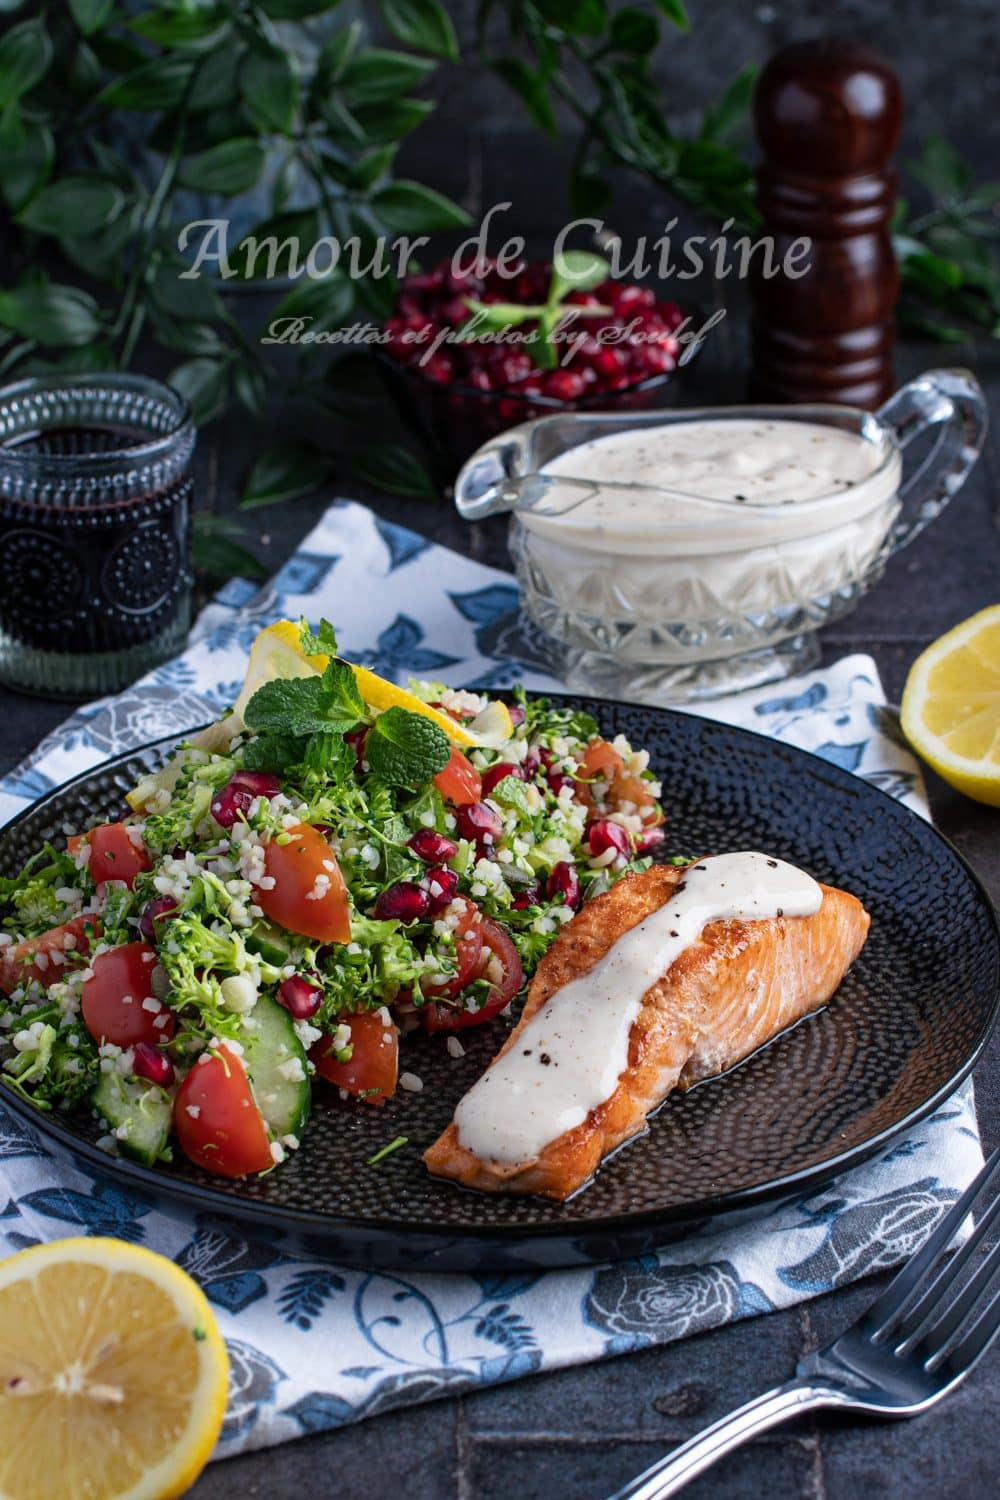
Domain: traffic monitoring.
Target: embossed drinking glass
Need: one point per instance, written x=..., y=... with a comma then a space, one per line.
x=95, y=531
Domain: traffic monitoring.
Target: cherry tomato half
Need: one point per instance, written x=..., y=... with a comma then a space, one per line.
x=459, y=783
x=113, y=855
x=217, y=1120
x=17, y=965
x=468, y=947
x=374, y=1065
x=309, y=895
x=501, y=946
x=111, y=999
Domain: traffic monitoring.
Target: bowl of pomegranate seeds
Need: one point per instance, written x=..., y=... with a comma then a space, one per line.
x=469, y=355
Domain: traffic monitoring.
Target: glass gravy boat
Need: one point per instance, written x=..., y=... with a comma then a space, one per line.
x=677, y=596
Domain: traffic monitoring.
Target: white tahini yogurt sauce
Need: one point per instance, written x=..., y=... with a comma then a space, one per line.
x=570, y=1056
x=707, y=519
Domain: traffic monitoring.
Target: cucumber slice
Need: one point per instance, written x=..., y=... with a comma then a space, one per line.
x=271, y=1050
x=272, y=945
x=138, y=1115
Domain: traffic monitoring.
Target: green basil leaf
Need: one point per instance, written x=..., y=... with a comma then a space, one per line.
x=486, y=317
x=193, y=300
x=286, y=472
x=674, y=11
x=295, y=10
x=396, y=470
x=391, y=119
x=941, y=168
x=204, y=383
x=25, y=55
x=51, y=313
x=219, y=555
x=270, y=89
x=731, y=111
x=154, y=85
x=633, y=31
x=530, y=88
x=410, y=208
x=405, y=749
x=90, y=15
x=231, y=167
x=27, y=152
x=216, y=81
x=200, y=26
x=74, y=205
x=377, y=74
x=324, y=303
x=577, y=271
x=422, y=24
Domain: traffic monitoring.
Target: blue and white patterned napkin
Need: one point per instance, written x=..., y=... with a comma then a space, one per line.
x=315, y=1346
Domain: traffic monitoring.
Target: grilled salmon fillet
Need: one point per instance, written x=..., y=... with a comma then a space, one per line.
x=733, y=989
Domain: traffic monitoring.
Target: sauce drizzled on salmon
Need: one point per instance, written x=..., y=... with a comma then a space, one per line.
x=570, y=1055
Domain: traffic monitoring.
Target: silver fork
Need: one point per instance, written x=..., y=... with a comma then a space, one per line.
x=912, y=1346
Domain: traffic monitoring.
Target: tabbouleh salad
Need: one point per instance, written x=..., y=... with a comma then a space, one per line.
x=314, y=876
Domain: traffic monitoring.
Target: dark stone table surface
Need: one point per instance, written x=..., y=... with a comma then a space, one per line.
x=579, y=1434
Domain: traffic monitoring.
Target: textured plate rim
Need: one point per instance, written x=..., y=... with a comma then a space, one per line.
x=665, y=1216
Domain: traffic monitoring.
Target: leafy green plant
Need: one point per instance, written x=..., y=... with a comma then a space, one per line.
x=116, y=124
x=947, y=251
x=593, y=60
x=573, y=271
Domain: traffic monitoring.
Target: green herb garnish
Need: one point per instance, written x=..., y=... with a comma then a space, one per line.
x=405, y=749
x=401, y=1140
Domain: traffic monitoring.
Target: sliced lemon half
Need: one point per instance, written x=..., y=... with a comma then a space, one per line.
x=113, y=1374
x=488, y=729
x=951, y=706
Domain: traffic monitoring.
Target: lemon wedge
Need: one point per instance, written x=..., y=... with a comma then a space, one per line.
x=277, y=652
x=113, y=1374
x=488, y=729
x=951, y=706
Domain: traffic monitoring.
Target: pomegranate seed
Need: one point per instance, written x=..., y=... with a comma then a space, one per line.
x=404, y=902
x=528, y=897
x=627, y=300
x=442, y=885
x=516, y=714
x=564, y=385
x=149, y=1063
x=260, y=783
x=431, y=846
x=152, y=912
x=300, y=998
x=531, y=764
x=239, y=794
x=556, y=780
x=357, y=739
x=230, y=803
x=324, y=828
x=565, y=882
x=478, y=822
x=439, y=368
x=651, y=839
x=497, y=773
x=603, y=834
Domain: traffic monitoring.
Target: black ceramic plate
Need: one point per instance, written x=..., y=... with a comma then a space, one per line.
x=907, y=1024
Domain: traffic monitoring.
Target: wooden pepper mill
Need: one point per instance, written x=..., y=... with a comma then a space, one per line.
x=827, y=116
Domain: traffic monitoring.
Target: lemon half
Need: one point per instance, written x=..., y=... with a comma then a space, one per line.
x=113, y=1374
x=951, y=706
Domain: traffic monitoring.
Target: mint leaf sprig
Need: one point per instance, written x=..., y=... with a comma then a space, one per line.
x=572, y=271
x=405, y=749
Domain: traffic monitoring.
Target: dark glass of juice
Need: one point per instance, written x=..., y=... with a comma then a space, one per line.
x=95, y=531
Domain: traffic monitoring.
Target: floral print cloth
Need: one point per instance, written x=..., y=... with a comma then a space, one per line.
x=314, y=1346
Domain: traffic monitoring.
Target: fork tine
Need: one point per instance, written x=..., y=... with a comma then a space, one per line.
x=917, y=1320
x=937, y=1336
x=882, y=1312
x=977, y=1340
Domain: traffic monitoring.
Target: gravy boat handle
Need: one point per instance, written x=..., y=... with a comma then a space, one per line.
x=497, y=478
x=953, y=401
